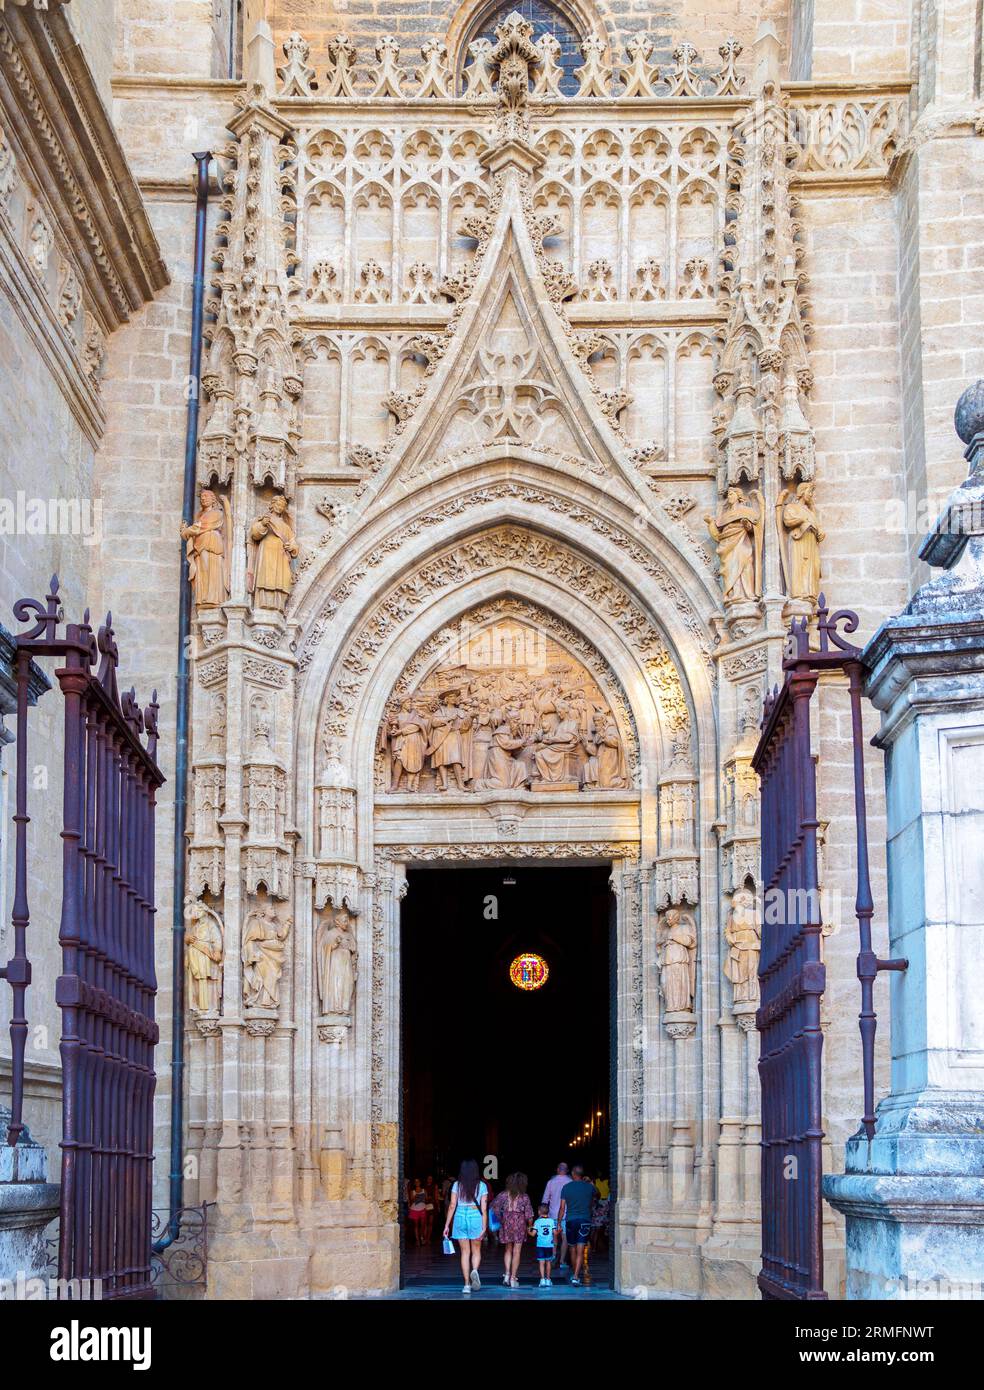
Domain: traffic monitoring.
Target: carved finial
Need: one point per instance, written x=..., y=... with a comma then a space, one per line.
x=387, y=77
x=968, y=421
x=594, y=74
x=640, y=76
x=341, y=55
x=297, y=79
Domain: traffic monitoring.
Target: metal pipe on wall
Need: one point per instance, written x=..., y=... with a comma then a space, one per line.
x=176, y=1172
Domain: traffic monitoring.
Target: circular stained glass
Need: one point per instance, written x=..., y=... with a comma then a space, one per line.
x=529, y=971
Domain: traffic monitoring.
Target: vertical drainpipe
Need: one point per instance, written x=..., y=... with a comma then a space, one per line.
x=176, y=1174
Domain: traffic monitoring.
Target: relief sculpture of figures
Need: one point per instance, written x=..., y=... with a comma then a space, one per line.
x=803, y=536
x=676, y=953
x=737, y=532
x=743, y=933
x=203, y=954
x=338, y=962
x=541, y=724
x=553, y=748
x=448, y=746
x=208, y=551
x=264, y=948
x=605, y=767
x=503, y=770
x=272, y=547
x=407, y=735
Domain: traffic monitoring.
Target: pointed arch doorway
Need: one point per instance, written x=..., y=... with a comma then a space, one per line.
x=508, y=1042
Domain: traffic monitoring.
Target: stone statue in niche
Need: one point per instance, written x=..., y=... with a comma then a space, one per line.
x=264, y=948
x=337, y=961
x=203, y=956
x=217, y=717
x=676, y=956
x=208, y=551
x=801, y=525
x=743, y=933
x=449, y=746
x=261, y=722
x=272, y=547
x=737, y=532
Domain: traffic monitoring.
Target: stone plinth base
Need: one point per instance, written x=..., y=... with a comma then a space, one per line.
x=28, y=1205
x=913, y=1200
x=324, y=1253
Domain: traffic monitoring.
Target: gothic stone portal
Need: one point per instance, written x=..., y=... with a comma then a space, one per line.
x=477, y=621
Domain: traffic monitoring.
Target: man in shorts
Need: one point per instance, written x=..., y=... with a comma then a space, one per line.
x=576, y=1203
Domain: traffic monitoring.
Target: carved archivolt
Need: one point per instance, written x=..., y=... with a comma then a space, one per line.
x=557, y=505
x=525, y=549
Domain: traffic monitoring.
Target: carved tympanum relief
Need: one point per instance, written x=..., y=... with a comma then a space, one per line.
x=514, y=710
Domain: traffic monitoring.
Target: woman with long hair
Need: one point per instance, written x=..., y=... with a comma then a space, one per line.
x=515, y=1212
x=417, y=1210
x=467, y=1221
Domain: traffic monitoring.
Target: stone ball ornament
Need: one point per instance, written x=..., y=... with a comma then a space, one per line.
x=968, y=418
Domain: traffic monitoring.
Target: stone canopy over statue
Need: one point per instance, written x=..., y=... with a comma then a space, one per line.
x=515, y=712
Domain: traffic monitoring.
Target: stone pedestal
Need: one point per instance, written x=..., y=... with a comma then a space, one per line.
x=913, y=1196
x=28, y=1204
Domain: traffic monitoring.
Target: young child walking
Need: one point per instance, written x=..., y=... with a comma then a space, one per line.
x=544, y=1228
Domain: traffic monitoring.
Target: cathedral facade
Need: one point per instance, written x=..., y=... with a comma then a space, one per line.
x=555, y=357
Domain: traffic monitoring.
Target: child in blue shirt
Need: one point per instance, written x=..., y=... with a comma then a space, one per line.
x=544, y=1228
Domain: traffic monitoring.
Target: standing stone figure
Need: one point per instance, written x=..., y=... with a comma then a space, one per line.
x=743, y=933
x=264, y=947
x=445, y=748
x=737, y=531
x=207, y=540
x=338, y=962
x=274, y=546
x=802, y=527
x=605, y=767
x=203, y=955
x=676, y=955
x=408, y=740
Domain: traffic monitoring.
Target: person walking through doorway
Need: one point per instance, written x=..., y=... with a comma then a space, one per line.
x=576, y=1202
x=551, y=1195
x=545, y=1230
x=515, y=1212
x=467, y=1221
x=417, y=1210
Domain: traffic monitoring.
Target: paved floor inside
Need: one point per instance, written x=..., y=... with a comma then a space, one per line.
x=430, y=1274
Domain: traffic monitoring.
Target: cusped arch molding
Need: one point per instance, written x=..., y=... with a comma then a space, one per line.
x=479, y=558
x=527, y=505
x=516, y=674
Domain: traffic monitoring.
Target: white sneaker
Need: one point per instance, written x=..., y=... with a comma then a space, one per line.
x=476, y=1283
x=549, y=1283
x=544, y=1283
x=466, y=1288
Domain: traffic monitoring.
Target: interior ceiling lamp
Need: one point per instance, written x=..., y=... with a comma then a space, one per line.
x=529, y=971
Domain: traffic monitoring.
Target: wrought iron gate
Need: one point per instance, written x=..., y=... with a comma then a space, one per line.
x=108, y=983
x=791, y=970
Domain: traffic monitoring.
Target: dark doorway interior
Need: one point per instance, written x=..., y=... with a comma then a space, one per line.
x=489, y=1069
